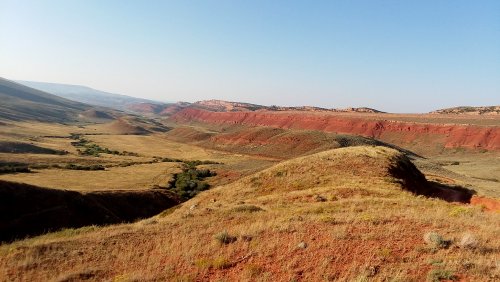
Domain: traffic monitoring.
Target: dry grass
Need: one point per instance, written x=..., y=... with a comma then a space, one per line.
x=374, y=235
x=56, y=136
x=115, y=178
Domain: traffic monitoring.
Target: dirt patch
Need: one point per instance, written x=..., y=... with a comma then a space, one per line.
x=487, y=203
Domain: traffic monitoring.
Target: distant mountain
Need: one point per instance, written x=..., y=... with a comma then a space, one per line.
x=88, y=95
x=158, y=109
x=227, y=106
x=487, y=110
x=20, y=102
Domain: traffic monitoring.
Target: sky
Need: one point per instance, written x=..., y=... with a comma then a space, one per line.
x=392, y=55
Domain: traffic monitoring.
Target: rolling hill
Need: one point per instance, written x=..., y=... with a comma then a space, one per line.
x=348, y=214
x=20, y=102
x=88, y=95
x=487, y=110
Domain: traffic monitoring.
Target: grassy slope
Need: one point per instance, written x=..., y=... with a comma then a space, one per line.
x=20, y=102
x=346, y=205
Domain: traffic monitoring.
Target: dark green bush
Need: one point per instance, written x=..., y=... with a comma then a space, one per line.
x=13, y=167
x=189, y=182
x=84, y=167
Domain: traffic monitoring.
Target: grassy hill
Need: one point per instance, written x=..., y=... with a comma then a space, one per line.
x=20, y=103
x=348, y=214
x=88, y=95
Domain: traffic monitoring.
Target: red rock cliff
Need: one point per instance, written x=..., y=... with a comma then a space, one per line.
x=447, y=135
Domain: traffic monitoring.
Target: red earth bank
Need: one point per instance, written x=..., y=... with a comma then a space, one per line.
x=449, y=135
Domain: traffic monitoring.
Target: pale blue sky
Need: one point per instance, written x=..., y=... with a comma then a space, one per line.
x=398, y=56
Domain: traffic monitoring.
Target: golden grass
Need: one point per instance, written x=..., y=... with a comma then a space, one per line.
x=372, y=235
x=115, y=178
x=142, y=176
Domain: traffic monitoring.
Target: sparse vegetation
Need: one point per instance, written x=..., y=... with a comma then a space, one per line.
x=247, y=208
x=468, y=241
x=25, y=148
x=13, y=167
x=84, y=167
x=435, y=240
x=437, y=275
x=87, y=148
x=461, y=211
x=225, y=238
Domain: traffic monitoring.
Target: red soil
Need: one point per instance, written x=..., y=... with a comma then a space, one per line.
x=447, y=135
x=489, y=204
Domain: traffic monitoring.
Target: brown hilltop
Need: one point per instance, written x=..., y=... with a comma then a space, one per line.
x=122, y=126
x=488, y=110
x=145, y=108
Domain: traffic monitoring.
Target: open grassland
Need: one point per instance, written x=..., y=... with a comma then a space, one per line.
x=133, y=161
x=340, y=215
x=477, y=171
x=115, y=178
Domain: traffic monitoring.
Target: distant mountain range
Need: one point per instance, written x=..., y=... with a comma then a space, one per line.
x=100, y=98
x=88, y=95
x=226, y=106
x=148, y=107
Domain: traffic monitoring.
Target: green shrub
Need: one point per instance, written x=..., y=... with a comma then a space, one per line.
x=225, y=238
x=189, y=182
x=437, y=275
x=13, y=167
x=461, y=211
x=84, y=167
x=247, y=208
x=87, y=148
x=435, y=240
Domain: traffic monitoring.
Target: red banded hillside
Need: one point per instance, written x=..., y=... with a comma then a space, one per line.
x=403, y=133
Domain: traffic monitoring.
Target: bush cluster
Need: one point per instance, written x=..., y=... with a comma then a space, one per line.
x=87, y=148
x=189, y=182
x=13, y=167
x=84, y=167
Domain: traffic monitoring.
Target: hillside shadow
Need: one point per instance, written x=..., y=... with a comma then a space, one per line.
x=27, y=210
x=450, y=193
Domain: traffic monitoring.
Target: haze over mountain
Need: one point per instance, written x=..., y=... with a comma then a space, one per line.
x=87, y=95
x=20, y=102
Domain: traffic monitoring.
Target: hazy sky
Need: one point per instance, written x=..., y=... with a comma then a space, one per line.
x=398, y=56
